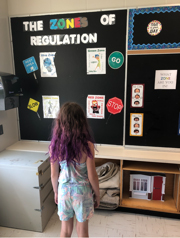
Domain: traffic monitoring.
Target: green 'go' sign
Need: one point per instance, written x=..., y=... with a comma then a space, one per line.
x=116, y=60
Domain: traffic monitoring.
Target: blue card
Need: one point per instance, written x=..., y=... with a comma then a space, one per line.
x=30, y=65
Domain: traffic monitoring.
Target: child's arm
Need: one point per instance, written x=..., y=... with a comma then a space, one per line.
x=54, y=179
x=92, y=175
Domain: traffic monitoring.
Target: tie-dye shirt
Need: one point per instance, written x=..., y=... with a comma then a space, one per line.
x=73, y=174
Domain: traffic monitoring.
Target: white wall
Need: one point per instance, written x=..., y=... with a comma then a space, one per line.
x=5, y=49
x=7, y=118
x=26, y=7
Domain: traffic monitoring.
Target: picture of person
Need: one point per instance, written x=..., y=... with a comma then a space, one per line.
x=136, y=119
x=136, y=131
x=137, y=96
x=137, y=90
x=98, y=59
x=95, y=106
x=136, y=125
x=136, y=102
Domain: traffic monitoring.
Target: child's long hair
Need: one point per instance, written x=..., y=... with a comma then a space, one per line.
x=70, y=135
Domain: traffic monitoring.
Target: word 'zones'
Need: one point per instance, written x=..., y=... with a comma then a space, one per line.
x=56, y=24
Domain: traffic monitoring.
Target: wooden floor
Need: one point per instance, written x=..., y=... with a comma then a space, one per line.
x=110, y=224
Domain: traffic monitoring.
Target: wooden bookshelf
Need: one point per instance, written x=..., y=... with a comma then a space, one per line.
x=151, y=167
x=168, y=205
x=139, y=160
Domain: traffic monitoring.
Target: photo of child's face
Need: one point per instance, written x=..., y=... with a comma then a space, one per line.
x=136, y=102
x=136, y=125
x=137, y=96
x=136, y=131
x=137, y=90
x=136, y=119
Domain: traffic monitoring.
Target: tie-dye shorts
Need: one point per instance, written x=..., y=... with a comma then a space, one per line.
x=75, y=199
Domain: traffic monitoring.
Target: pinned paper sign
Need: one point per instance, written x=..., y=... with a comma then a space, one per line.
x=137, y=95
x=95, y=106
x=33, y=105
x=30, y=66
x=47, y=64
x=136, y=124
x=96, y=60
x=165, y=79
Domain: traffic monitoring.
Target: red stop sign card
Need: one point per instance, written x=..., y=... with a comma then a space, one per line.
x=114, y=105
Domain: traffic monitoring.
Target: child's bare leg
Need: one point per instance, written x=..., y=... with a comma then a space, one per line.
x=82, y=228
x=66, y=228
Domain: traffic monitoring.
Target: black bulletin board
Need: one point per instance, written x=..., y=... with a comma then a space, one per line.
x=161, y=107
x=169, y=34
x=72, y=82
x=139, y=19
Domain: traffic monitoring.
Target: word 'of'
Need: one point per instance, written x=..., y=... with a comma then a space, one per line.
x=63, y=39
x=78, y=22
x=108, y=19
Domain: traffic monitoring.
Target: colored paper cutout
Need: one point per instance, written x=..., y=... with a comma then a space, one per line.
x=154, y=28
x=33, y=105
x=30, y=65
x=116, y=60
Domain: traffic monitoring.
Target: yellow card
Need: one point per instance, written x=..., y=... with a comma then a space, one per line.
x=33, y=105
x=136, y=124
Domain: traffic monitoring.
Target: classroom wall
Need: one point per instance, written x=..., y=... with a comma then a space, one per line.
x=26, y=7
x=7, y=118
x=5, y=49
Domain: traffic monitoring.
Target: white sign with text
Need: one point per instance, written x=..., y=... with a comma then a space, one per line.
x=165, y=79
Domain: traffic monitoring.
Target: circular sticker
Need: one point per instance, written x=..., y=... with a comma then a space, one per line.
x=116, y=60
x=154, y=28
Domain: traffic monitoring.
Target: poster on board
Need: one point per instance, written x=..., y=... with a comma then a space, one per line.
x=95, y=106
x=50, y=106
x=96, y=60
x=47, y=64
x=136, y=124
x=137, y=95
x=165, y=79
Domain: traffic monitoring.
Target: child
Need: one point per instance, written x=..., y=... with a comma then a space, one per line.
x=72, y=148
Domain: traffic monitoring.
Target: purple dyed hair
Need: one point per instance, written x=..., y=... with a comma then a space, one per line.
x=70, y=135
